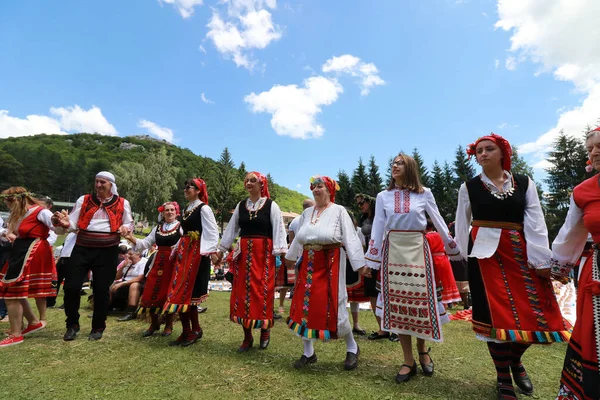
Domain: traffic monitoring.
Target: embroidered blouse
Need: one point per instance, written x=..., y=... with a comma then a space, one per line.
x=401, y=209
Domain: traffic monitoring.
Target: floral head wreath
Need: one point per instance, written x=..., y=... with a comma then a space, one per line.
x=331, y=185
x=588, y=165
x=13, y=196
x=264, y=183
x=504, y=145
x=161, y=209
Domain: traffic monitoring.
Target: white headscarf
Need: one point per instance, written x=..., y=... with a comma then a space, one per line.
x=111, y=178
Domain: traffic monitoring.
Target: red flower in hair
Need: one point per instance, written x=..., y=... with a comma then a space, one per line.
x=504, y=145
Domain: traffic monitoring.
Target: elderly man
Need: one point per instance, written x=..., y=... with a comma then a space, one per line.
x=128, y=286
x=99, y=219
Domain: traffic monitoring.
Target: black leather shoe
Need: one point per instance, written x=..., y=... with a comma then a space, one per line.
x=95, y=335
x=128, y=317
x=377, y=336
x=178, y=341
x=191, y=339
x=359, y=332
x=246, y=346
x=427, y=368
x=202, y=310
x=401, y=378
x=277, y=316
x=149, y=332
x=505, y=393
x=351, y=361
x=264, y=343
x=70, y=334
x=523, y=382
x=303, y=361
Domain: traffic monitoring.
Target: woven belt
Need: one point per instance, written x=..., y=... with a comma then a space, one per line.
x=319, y=247
x=498, y=224
x=97, y=239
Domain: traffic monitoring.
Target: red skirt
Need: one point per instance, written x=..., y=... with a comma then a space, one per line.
x=444, y=274
x=355, y=285
x=580, y=380
x=158, y=281
x=29, y=271
x=314, y=309
x=185, y=270
x=253, y=288
x=510, y=301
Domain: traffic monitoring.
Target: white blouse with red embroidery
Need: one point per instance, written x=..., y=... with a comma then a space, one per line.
x=404, y=210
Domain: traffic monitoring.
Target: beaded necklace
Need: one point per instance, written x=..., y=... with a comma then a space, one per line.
x=256, y=207
x=498, y=193
x=189, y=211
x=168, y=232
x=319, y=214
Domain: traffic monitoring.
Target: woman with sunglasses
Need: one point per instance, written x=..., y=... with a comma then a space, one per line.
x=408, y=303
x=191, y=272
x=500, y=230
x=258, y=222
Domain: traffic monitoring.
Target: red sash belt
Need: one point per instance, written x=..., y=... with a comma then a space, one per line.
x=97, y=239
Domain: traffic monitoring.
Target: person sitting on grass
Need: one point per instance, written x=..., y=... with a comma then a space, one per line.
x=128, y=286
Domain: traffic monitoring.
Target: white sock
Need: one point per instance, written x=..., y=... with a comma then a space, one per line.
x=309, y=349
x=351, y=345
x=354, y=307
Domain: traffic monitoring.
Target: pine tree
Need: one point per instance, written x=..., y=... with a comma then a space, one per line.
x=463, y=168
x=437, y=185
x=360, y=179
x=375, y=182
x=450, y=198
x=225, y=178
x=425, y=178
x=272, y=188
x=345, y=196
x=568, y=159
x=388, y=172
x=519, y=165
x=242, y=170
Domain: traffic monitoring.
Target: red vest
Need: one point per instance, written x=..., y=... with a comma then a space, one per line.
x=114, y=208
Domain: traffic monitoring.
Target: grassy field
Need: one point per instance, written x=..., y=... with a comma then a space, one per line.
x=124, y=366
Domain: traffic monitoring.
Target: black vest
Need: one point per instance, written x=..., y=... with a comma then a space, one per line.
x=193, y=221
x=486, y=207
x=260, y=224
x=167, y=238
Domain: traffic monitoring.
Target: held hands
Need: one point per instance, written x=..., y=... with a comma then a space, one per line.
x=216, y=257
x=9, y=236
x=61, y=218
x=124, y=231
x=365, y=271
x=129, y=236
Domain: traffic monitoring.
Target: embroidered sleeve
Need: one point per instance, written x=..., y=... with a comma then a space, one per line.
x=373, y=254
x=463, y=221
x=535, y=231
x=127, y=216
x=569, y=244
x=210, y=231
x=147, y=242
x=74, y=215
x=439, y=223
x=232, y=231
x=279, y=236
x=295, y=250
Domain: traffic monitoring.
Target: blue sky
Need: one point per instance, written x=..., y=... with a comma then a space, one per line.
x=371, y=78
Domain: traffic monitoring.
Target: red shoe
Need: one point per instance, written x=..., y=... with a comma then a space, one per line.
x=34, y=328
x=11, y=340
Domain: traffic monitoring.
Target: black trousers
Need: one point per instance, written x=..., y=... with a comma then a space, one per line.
x=103, y=264
x=62, y=266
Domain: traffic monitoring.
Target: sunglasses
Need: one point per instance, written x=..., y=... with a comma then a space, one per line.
x=360, y=203
x=188, y=187
x=397, y=163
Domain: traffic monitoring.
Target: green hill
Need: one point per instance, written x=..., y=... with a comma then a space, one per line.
x=63, y=166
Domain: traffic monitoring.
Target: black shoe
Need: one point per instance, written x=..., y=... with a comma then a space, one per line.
x=401, y=378
x=178, y=341
x=359, y=332
x=202, y=310
x=427, y=368
x=128, y=317
x=70, y=334
x=246, y=346
x=277, y=316
x=303, y=361
x=264, y=343
x=191, y=339
x=150, y=331
x=377, y=336
x=95, y=335
x=351, y=361
x=505, y=392
x=523, y=382
x=394, y=337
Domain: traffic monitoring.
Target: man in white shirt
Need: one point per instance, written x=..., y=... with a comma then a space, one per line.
x=128, y=286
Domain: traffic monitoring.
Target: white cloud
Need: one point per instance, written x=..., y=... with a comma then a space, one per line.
x=298, y=186
x=294, y=109
x=66, y=120
x=185, y=7
x=510, y=63
x=496, y=63
x=202, y=49
x=76, y=119
x=367, y=73
x=156, y=130
x=248, y=26
x=562, y=37
x=207, y=101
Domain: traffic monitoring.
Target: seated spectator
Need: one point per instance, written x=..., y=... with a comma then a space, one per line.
x=127, y=289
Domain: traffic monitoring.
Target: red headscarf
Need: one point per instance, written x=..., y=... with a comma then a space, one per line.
x=264, y=184
x=330, y=184
x=505, y=148
x=201, y=186
x=161, y=209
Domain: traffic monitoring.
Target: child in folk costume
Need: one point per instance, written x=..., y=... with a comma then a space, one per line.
x=442, y=267
x=579, y=380
x=160, y=266
x=398, y=248
x=508, y=256
x=258, y=222
x=191, y=271
x=318, y=309
x=29, y=270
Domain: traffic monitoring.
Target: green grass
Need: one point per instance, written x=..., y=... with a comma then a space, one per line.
x=124, y=366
